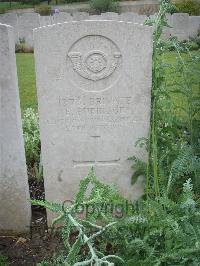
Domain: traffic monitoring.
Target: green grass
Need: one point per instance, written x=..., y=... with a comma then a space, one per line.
x=14, y=5
x=3, y=260
x=179, y=100
x=26, y=79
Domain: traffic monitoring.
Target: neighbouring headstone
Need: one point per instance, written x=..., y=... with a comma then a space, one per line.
x=12, y=20
x=77, y=16
x=27, y=22
x=15, y=210
x=194, y=25
x=46, y=20
x=180, y=24
x=94, y=102
x=167, y=31
x=62, y=17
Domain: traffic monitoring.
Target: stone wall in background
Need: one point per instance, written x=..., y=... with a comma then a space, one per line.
x=183, y=25
x=15, y=209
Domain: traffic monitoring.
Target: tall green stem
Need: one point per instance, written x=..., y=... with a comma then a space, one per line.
x=159, y=23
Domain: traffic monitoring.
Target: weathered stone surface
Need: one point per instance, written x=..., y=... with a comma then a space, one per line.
x=141, y=19
x=77, y=16
x=128, y=16
x=28, y=22
x=94, y=102
x=12, y=20
x=180, y=24
x=194, y=25
x=110, y=16
x=133, y=17
x=167, y=31
x=62, y=17
x=95, y=17
x=14, y=193
x=46, y=20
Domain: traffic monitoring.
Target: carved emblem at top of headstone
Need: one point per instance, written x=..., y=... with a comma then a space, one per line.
x=94, y=57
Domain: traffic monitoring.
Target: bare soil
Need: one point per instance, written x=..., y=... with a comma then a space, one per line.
x=39, y=244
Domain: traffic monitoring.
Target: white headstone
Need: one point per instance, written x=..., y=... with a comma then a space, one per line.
x=94, y=102
x=28, y=22
x=194, y=25
x=45, y=20
x=77, y=16
x=62, y=17
x=180, y=24
x=12, y=20
x=15, y=210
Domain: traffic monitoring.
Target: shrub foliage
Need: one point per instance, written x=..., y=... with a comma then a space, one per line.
x=32, y=143
x=43, y=10
x=192, y=7
x=103, y=5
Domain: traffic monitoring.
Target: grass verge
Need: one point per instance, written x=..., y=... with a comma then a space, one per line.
x=26, y=80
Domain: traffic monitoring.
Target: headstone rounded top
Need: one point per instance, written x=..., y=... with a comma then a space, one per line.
x=2, y=25
x=89, y=22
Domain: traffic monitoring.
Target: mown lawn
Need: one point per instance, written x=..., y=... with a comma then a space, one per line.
x=175, y=79
x=26, y=80
x=26, y=77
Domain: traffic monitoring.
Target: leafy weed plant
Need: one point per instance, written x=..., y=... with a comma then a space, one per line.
x=30, y=123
